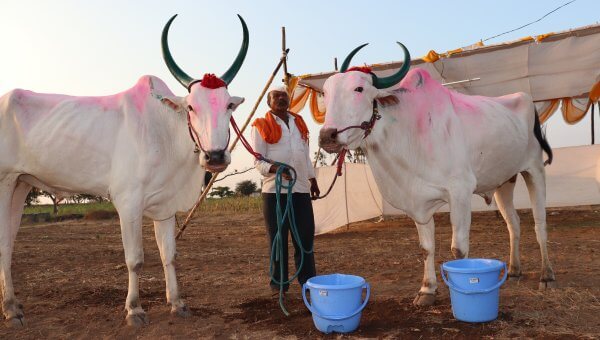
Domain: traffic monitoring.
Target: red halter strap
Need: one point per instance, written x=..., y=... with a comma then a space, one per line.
x=367, y=126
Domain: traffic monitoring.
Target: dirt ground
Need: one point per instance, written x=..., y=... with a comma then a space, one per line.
x=71, y=278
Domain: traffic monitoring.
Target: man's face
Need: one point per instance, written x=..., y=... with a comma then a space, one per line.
x=279, y=101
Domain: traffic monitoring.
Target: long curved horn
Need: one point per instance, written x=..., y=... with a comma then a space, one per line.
x=382, y=83
x=348, y=59
x=239, y=60
x=177, y=72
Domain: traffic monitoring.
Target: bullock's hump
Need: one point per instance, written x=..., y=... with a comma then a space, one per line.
x=152, y=84
x=416, y=78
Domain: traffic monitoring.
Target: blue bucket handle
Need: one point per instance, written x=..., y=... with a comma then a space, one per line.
x=477, y=291
x=336, y=318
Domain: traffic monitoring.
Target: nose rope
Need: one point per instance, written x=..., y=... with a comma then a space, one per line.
x=197, y=144
x=282, y=215
x=366, y=126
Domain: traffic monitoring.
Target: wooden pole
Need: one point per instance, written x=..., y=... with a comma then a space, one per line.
x=237, y=138
x=317, y=156
x=286, y=76
x=335, y=64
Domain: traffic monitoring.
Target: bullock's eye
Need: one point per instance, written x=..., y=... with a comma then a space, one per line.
x=190, y=108
x=230, y=106
x=358, y=89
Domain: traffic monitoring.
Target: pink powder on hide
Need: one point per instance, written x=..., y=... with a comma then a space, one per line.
x=215, y=104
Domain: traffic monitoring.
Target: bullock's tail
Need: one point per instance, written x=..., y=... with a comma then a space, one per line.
x=537, y=132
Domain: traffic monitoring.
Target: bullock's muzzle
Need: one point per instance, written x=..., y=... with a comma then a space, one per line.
x=328, y=140
x=215, y=160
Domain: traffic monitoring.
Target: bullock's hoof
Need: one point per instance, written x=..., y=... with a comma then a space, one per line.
x=181, y=311
x=16, y=322
x=424, y=299
x=137, y=319
x=548, y=285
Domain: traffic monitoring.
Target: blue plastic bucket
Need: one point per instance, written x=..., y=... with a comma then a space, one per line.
x=474, y=288
x=336, y=301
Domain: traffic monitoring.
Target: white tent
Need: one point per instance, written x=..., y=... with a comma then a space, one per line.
x=555, y=68
x=570, y=181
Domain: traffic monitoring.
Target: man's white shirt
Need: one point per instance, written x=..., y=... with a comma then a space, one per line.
x=291, y=149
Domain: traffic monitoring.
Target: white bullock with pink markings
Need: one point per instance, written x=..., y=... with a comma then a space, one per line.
x=428, y=146
x=136, y=147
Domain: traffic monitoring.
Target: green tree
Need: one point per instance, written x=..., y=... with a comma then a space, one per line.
x=320, y=158
x=245, y=188
x=221, y=192
x=33, y=196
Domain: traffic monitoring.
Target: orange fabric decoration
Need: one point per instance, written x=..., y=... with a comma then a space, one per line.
x=318, y=116
x=270, y=131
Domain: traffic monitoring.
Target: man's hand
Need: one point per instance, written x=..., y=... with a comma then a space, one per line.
x=314, y=189
x=285, y=174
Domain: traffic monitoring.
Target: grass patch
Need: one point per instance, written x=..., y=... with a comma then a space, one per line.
x=67, y=209
x=209, y=206
x=231, y=205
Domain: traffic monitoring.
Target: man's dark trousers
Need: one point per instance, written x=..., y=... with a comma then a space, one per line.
x=305, y=223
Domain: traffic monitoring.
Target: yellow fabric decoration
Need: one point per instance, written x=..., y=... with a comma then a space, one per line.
x=431, y=57
x=528, y=38
x=318, y=116
x=293, y=82
x=451, y=52
x=543, y=36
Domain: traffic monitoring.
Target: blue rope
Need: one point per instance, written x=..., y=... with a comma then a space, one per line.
x=277, y=247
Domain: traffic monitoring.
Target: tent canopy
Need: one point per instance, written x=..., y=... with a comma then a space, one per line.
x=552, y=68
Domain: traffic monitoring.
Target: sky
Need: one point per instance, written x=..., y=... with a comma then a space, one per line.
x=102, y=47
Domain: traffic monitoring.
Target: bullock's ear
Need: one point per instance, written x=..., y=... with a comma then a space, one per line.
x=175, y=103
x=386, y=98
x=234, y=102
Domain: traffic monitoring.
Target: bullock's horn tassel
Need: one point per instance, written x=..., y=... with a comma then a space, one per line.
x=177, y=72
x=382, y=83
x=239, y=60
x=348, y=59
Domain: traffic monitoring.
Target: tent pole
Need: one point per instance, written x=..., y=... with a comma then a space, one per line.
x=593, y=124
x=286, y=76
x=346, y=195
x=335, y=66
x=317, y=157
x=237, y=138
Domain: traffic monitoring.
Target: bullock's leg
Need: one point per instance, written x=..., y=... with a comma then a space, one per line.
x=536, y=185
x=165, y=238
x=460, y=218
x=504, y=200
x=131, y=232
x=12, y=200
x=426, y=296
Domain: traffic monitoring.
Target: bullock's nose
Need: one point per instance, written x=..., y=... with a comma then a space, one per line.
x=215, y=157
x=327, y=135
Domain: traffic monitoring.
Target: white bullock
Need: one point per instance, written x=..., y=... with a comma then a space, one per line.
x=135, y=147
x=433, y=146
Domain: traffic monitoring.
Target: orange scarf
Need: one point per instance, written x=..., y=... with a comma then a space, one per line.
x=270, y=131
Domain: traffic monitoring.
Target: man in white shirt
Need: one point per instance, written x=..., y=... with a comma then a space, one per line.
x=282, y=136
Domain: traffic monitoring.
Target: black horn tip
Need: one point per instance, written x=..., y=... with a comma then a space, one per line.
x=348, y=59
x=239, y=60
x=175, y=70
x=394, y=79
